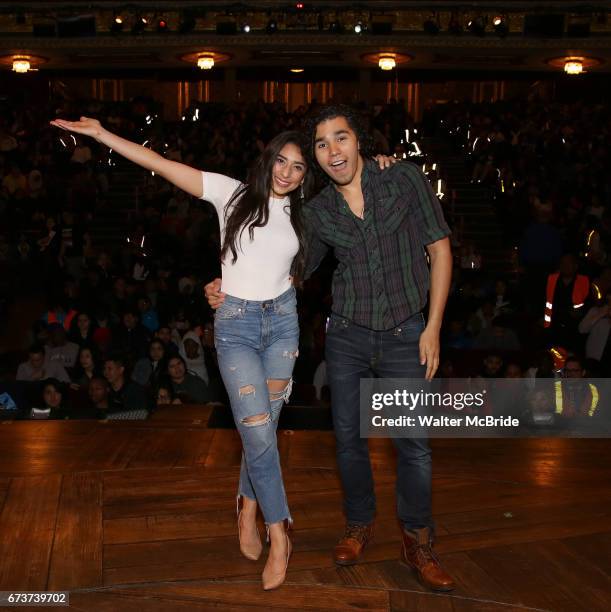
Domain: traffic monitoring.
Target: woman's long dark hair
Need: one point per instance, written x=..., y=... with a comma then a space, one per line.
x=249, y=205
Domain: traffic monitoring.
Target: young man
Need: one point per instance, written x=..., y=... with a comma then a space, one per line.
x=380, y=225
x=124, y=395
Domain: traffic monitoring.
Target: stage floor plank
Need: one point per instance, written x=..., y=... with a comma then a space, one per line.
x=141, y=516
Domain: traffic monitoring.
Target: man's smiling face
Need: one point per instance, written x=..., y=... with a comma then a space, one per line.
x=336, y=148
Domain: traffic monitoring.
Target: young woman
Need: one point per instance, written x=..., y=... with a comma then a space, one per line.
x=88, y=366
x=149, y=370
x=256, y=329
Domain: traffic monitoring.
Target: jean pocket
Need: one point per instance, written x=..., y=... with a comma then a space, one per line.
x=229, y=311
x=411, y=329
x=287, y=308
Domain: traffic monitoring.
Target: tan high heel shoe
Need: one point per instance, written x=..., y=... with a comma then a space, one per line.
x=272, y=580
x=251, y=551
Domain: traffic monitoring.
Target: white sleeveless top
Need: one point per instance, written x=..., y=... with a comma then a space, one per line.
x=263, y=267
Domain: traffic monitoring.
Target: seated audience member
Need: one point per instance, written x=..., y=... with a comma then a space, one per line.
x=88, y=367
x=149, y=369
x=82, y=330
x=124, y=395
x=513, y=370
x=492, y=366
x=130, y=337
x=53, y=403
x=102, y=336
x=192, y=351
x=575, y=396
x=499, y=336
x=597, y=324
x=164, y=333
x=59, y=349
x=166, y=396
x=187, y=386
x=99, y=394
x=36, y=368
x=566, y=293
x=148, y=315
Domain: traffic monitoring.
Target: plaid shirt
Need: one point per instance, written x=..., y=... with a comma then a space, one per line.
x=383, y=277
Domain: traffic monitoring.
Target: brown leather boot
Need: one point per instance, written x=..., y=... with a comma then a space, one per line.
x=349, y=549
x=417, y=553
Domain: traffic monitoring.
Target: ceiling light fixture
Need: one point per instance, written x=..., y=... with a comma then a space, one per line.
x=205, y=62
x=387, y=62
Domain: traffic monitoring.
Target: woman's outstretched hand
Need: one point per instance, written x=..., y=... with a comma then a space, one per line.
x=85, y=126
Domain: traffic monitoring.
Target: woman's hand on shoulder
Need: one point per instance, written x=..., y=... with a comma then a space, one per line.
x=385, y=161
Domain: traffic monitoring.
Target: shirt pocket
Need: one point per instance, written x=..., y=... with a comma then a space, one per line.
x=394, y=213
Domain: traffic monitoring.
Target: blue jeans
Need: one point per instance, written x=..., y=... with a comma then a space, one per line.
x=355, y=352
x=257, y=342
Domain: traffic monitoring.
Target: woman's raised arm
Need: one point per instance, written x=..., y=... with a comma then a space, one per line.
x=183, y=176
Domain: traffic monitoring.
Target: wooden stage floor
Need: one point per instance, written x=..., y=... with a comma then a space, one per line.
x=140, y=516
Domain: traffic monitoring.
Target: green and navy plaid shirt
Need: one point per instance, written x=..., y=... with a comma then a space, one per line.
x=383, y=276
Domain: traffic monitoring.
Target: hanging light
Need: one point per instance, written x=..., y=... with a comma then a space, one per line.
x=573, y=67
x=21, y=66
x=205, y=62
x=387, y=62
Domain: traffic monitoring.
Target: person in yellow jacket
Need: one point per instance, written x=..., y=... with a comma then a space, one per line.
x=574, y=396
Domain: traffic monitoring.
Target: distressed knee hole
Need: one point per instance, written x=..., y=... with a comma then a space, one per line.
x=247, y=390
x=257, y=419
x=290, y=354
x=279, y=389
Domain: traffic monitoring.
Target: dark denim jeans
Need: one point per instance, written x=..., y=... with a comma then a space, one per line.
x=352, y=353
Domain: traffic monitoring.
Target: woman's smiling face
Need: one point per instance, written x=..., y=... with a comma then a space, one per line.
x=288, y=171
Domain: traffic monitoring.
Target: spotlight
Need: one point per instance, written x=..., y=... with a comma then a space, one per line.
x=477, y=26
x=245, y=28
x=272, y=26
x=431, y=25
x=162, y=25
x=500, y=26
x=297, y=70
x=299, y=6
x=117, y=24
x=139, y=25
x=359, y=27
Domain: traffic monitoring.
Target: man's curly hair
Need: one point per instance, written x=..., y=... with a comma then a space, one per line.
x=352, y=116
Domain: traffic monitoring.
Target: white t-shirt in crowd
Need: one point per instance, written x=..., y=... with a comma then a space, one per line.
x=263, y=267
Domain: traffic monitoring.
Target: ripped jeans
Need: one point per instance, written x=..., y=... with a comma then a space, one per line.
x=257, y=343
